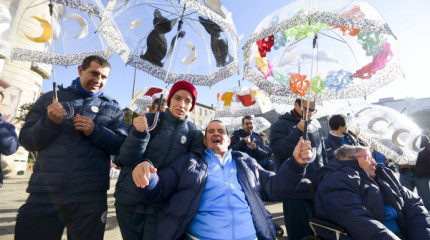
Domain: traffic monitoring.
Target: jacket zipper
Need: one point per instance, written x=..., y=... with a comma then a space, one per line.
x=255, y=196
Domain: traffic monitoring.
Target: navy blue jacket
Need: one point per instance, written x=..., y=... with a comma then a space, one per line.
x=348, y=197
x=284, y=136
x=422, y=167
x=333, y=142
x=173, y=139
x=238, y=144
x=184, y=180
x=70, y=166
x=8, y=139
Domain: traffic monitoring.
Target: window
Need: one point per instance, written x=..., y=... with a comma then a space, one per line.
x=200, y=111
x=206, y=112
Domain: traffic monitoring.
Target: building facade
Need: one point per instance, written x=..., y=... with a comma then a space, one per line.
x=201, y=115
x=22, y=80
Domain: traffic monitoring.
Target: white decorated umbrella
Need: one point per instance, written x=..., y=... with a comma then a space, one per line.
x=174, y=40
x=242, y=101
x=322, y=50
x=65, y=37
x=12, y=96
x=386, y=130
x=144, y=99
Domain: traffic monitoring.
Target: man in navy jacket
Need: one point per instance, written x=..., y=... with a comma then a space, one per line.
x=219, y=193
x=367, y=200
x=338, y=135
x=284, y=135
x=247, y=141
x=70, y=179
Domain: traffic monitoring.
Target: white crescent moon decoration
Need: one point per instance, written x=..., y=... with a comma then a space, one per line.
x=135, y=24
x=415, y=145
x=82, y=22
x=192, y=56
x=395, y=136
x=216, y=6
x=372, y=122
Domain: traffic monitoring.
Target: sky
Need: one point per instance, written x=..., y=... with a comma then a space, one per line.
x=408, y=21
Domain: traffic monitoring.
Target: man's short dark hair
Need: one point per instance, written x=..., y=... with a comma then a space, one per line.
x=156, y=101
x=216, y=120
x=299, y=101
x=94, y=58
x=337, y=121
x=246, y=117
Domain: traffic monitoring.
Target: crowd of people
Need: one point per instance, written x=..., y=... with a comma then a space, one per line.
x=178, y=183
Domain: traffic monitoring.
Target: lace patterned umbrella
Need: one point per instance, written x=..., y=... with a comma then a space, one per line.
x=386, y=130
x=62, y=33
x=333, y=50
x=242, y=101
x=174, y=40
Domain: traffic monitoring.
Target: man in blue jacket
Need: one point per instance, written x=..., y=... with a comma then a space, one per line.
x=8, y=139
x=338, y=135
x=70, y=179
x=219, y=193
x=247, y=141
x=367, y=200
x=284, y=134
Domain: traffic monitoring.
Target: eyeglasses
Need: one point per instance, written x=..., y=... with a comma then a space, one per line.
x=310, y=110
x=367, y=156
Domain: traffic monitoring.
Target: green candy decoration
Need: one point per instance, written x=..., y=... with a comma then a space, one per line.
x=317, y=84
x=371, y=42
x=281, y=77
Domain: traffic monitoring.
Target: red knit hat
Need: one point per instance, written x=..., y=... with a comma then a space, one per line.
x=183, y=85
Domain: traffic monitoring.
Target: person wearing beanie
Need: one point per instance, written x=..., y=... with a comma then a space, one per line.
x=173, y=136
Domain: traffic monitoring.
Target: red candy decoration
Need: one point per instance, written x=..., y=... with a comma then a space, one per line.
x=365, y=72
x=265, y=45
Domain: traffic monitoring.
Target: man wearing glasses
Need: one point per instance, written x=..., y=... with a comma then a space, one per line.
x=367, y=200
x=284, y=134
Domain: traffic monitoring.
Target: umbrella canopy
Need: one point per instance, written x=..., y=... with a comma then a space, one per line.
x=9, y=106
x=333, y=50
x=242, y=101
x=144, y=99
x=174, y=40
x=386, y=130
x=235, y=123
x=65, y=37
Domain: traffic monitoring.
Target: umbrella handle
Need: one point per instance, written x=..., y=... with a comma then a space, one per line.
x=157, y=114
x=54, y=86
x=305, y=131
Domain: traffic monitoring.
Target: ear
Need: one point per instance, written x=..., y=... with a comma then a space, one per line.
x=80, y=70
x=157, y=14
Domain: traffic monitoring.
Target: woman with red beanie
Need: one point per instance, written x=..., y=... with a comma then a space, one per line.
x=174, y=137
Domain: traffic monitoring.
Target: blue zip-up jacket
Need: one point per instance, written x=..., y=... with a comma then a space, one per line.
x=333, y=142
x=284, y=136
x=171, y=141
x=238, y=144
x=183, y=183
x=70, y=166
x=348, y=197
x=8, y=138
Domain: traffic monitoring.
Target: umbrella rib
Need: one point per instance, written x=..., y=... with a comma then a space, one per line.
x=343, y=40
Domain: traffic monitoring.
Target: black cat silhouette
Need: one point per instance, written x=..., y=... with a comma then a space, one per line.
x=156, y=42
x=218, y=45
